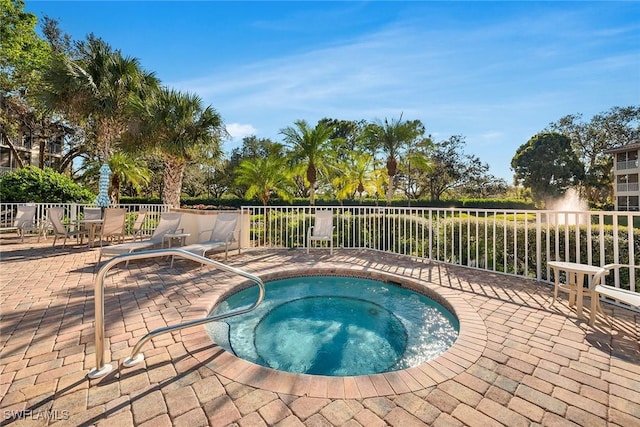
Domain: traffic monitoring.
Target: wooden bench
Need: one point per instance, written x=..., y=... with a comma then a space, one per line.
x=597, y=289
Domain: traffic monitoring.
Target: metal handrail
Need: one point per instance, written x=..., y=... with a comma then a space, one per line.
x=136, y=357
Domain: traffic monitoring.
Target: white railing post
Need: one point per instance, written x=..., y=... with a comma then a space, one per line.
x=539, y=245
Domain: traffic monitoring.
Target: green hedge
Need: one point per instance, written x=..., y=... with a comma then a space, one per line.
x=35, y=185
x=462, y=203
x=513, y=252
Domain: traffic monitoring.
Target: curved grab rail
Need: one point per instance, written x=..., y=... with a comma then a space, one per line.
x=101, y=368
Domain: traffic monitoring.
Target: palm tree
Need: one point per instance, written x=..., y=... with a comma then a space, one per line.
x=181, y=130
x=265, y=176
x=308, y=145
x=357, y=175
x=391, y=137
x=417, y=165
x=125, y=170
x=94, y=89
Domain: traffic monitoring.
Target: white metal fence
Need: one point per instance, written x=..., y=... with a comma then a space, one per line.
x=505, y=241
x=74, y=211
x=515, y=242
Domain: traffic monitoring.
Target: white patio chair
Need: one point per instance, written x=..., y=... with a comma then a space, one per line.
x=225, y=231
x=113, y=224
x=598, y=289
x=89, y=214
x=138, y=225
x=25, y=220
x=54, y=217
x=321, y=230
x=168, y=224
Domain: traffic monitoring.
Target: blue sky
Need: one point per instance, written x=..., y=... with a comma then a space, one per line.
x=495, y=72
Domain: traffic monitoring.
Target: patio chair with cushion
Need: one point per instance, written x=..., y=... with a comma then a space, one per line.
x=113, y=224
x=168, y=224
x=54, y=217
x=322, y=229
x=25, y=220
x=599, y=289
x=225, y=231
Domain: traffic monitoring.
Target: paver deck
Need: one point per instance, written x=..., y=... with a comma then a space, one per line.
x=518, y=361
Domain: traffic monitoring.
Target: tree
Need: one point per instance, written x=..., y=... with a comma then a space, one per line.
x=451, y=168
x=357, y=174
x=181, y=130
x=32, y=184
x=23, y=54
x=252, y=147
x=415, y=169
x=485, y=185
x=264, y=177
x=547, y=165
x=23, y=57
x=391, y=137
x=125, y=171
x=310, y=146
x=218, y=179
x=345, y=137
x=194, y=180
x=95, y=89
x=590, y=141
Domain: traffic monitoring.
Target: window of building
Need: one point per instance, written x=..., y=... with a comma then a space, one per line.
x=627, y=160
x=628, y=203
x=55, y=148
x=5, y=158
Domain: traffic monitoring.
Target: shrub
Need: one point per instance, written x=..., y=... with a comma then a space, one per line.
x=461, y=203
x=32, y=184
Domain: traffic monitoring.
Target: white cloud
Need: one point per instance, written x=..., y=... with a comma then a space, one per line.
x=239, y=131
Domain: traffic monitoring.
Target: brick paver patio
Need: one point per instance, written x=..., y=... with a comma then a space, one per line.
x=517, y=362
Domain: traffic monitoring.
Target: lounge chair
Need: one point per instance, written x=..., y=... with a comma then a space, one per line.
x=599, y=289
x=113, y=224
x=224, y=232
x=168, y=224
x=54, y=217
x=322, y=229
x=25, y=220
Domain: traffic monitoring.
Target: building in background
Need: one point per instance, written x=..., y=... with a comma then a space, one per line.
x=626, y=170
x=27, y=147
x=28, y=139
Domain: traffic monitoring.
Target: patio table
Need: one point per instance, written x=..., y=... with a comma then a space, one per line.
x=576, y=273
x=178, y=236
x=93, y=226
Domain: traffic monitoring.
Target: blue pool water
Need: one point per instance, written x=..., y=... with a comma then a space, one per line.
x=337, y=326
